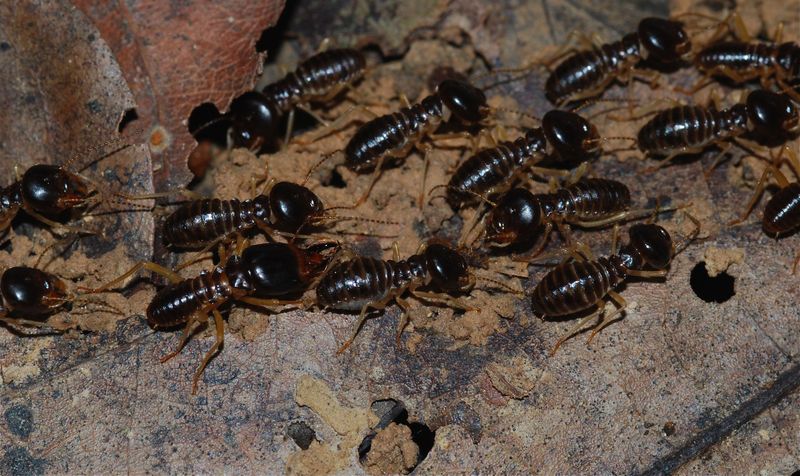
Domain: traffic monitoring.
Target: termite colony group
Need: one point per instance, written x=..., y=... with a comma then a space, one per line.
x=299, y=266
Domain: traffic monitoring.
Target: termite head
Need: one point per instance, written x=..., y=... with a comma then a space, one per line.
x=448, y=269
x=514, y=219
x=293, y=206
x=465, y=101
x=50, y=189
x=649, y=245
x=32, y=292
x=770, y=112
x=570, y=135
x=664, y=40
x=254, y=119
x=268, y=269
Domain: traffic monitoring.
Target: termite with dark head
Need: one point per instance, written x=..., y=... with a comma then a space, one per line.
x=392, y=136
x=690, y=129
x=285, y=208
x=256, y=275
x=521, y=218
x=363, y=283
x=45, y=191
x=782, y=211
x=31, y=295
x=588, y=71
x=564, y=138
x=580, y=285
x=255, y=115
x=743, y=59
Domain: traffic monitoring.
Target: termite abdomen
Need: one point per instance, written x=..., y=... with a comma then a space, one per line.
x=782, y=211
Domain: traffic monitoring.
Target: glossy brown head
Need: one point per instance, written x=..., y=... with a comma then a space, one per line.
x=516, y=217
x=771, y=112
x=293, y=206
x=465, y=101
x=448, y=269
x=32, y=293
x=254, y=120
x=278, y=269
x=649, y=245
x=571, y=136
x=665, y=40
x=49, y=189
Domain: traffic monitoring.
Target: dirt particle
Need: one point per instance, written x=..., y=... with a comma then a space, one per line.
x=18, y=461
x=718, y=260
x=317, y=459
x=19, y=419
x=393, y=451
x=511, y=380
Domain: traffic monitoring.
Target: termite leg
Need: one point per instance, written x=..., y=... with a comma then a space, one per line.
x=148, y=265
x=762, y=183
x=611, y=317
x=445, y=299
x=575, y=329
x=666, y=161
x=375, y=176
x=188, y=330
x=426, y=155
x=341, y=121
x=403, y=319
x=220, y=338
x=379, y=305
x=724, y=148
x=59, y=226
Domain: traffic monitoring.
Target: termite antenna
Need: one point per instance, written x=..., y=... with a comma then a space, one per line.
x=216, y=120
x=501, y=285
x=324, y=159
x=109, y=147
x=458, y=190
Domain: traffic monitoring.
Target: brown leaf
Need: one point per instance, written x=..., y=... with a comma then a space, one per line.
x=177, y=55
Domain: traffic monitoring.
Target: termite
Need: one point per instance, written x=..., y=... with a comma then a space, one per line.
x=689, y=129
x=579, y=285
x=364, y=283
x=743, y=60
x=254, y=115
x=564, y=138
x=255, y=275
x=588, y=72
x=782, y=211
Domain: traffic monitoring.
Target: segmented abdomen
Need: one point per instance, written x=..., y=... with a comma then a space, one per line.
x=593, y=199
x=317, y=77
x=575, y=286
x=352, y=284
x=174, y=304
x=590, y=69
x=782, y=212
x=485, y=171
x=678, y=128
x=735, y=55
x=203, y=221
x=391, y=134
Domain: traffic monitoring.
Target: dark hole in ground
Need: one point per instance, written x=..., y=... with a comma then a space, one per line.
x=717, y=289
x=336, y=180
x=128, y=117
x=421, y=434
x=301, y=433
